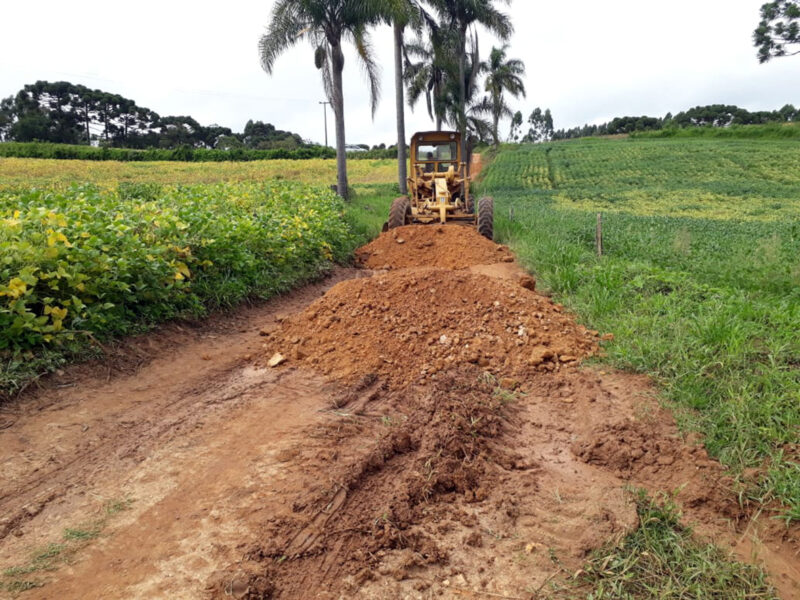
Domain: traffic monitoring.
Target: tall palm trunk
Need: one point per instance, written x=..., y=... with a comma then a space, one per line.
x=337, y=65
x=402, y=172
x=462, y=92
x=437, y=93
x=496, y=121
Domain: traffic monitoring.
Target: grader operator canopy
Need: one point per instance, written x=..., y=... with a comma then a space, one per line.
x=437, y=157
x=439, y=186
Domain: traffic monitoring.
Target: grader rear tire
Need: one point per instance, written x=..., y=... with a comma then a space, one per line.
x=470, y=204
x=486, y=218
x=400, y=213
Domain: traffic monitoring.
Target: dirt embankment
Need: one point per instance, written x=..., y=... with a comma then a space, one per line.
x=443, y=247
x=428, y=433
x=410, y=325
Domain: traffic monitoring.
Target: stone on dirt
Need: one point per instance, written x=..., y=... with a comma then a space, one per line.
x=276, y=360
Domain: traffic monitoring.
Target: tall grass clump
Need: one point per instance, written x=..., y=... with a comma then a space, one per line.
x=662, y=559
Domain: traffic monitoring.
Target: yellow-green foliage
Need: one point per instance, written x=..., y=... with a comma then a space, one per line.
x=85, y=261
x=26, y=172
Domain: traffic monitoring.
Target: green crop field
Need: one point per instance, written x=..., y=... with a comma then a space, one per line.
x=22, y=173
x=84, y=263
x=700, y=278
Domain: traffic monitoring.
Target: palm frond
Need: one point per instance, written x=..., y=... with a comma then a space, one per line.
x=371, y=69
x=287, y=27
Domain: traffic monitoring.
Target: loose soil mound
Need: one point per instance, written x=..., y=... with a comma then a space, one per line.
x=498, y=447
x=447, y=247
x=413, y=324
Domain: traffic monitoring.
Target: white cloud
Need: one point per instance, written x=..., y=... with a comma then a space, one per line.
x=587, y=61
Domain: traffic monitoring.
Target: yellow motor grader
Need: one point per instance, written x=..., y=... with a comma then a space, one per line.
x=438, y=187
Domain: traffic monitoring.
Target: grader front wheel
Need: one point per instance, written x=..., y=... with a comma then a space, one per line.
x=486, y=217
x=400, y=213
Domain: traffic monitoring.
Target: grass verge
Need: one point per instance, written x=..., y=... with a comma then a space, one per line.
x=709, y=307
x=662, y=559
x=368, y=210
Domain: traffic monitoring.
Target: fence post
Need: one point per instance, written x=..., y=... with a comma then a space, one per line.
x=598, y=236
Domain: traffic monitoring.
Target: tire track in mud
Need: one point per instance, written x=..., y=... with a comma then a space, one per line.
x=89, y=436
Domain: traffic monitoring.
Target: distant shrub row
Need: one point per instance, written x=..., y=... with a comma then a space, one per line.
x=184, y=153
x=767, y=131
x=374, y=154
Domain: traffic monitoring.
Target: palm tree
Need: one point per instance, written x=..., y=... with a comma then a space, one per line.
x=428, y=75
x=502, y=75
x=436, y=77
x=460, y=15
x=400, y=14
x=475, y=126
x=326, y=24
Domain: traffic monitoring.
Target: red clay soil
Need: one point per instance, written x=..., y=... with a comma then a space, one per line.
x=430, y=433
x=413, y=324
x=446, y=247
x=450, y=491
x=459, y=488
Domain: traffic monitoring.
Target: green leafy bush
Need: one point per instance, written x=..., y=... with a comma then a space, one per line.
x=82, y=262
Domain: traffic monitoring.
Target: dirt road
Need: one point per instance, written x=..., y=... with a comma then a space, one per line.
x=429, y=432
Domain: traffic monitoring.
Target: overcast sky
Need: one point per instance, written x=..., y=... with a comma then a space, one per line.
x=588, y=61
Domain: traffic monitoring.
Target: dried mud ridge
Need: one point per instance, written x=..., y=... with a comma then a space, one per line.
x=469, y=452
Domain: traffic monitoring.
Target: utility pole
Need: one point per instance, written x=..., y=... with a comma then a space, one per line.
x=325, y=116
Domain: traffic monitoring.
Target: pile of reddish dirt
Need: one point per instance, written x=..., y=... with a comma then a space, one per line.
x=446, y=247
x=470, y=455
x=413, y=324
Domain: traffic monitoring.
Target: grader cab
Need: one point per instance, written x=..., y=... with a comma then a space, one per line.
x=439, y=187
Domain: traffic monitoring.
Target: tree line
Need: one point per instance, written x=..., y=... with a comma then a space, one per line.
x=436, y=58
x=65, y=113
x=540, y=125
x=181, y=153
